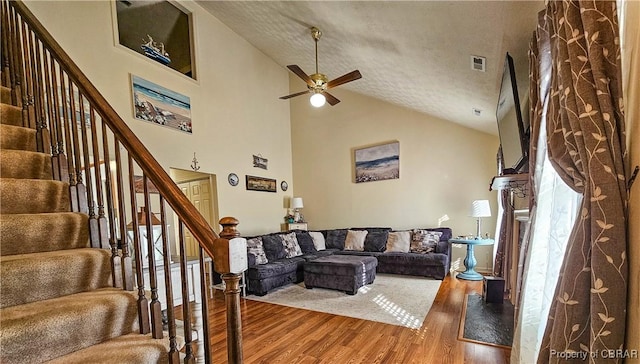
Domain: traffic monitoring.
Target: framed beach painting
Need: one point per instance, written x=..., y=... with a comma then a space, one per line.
x=377, y=163
x=161, y=106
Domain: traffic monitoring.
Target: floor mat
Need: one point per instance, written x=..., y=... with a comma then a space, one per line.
x=486, y=323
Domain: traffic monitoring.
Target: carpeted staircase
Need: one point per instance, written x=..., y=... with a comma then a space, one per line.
x=57, y=301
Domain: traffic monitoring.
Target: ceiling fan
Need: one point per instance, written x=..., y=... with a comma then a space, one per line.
x=318, y=83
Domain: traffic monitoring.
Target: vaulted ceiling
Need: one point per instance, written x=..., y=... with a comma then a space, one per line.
x=415, y=54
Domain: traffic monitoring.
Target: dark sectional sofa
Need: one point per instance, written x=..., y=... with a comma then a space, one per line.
x=279, y=270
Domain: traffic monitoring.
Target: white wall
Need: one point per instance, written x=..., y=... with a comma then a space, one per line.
x=236, y=113
x=235, y=107
x=443, y=167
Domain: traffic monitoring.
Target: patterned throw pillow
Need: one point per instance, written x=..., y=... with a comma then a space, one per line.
x=398, y=241
x=318, y=240
x=291, y=246
x=424, y=241
x=255, y=247
x=355, y=240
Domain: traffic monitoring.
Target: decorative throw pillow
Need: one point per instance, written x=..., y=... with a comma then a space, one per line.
x=446, y=232
x=306, y=242
x=376, y=241
x=335, y=238
x=398, y=241
x=424, y=241
x=355, y=240
x=318, y=240
x=255, y=247
x=273, y=247
x=291, y=246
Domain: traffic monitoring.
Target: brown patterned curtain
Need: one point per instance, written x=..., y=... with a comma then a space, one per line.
x=586, y=142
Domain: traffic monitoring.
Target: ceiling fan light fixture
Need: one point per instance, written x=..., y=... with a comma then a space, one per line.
x=318, y=83
x=317, y=100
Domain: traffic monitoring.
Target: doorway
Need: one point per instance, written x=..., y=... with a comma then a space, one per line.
x=200, y=189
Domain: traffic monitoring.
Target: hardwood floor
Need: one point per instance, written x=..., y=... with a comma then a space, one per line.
x=279, y=334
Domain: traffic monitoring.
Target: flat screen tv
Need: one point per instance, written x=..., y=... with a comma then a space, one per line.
x=514, y=135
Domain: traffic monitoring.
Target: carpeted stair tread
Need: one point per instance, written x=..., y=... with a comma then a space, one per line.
x=17, y=138
x=56, y=296
x=24, y=164
x=32, y=196
x=33, y=233
x=53, y=274
x=5, y=95
x=44, y=330
x=10, y=115
x=127, y=349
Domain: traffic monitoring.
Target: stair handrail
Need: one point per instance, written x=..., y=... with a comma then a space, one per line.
x=186, y=211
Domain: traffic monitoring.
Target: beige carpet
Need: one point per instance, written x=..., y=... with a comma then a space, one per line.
x=391, y=299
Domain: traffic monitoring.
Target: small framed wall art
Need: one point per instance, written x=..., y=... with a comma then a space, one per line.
x=233, y=179
x=138, y=185
x=260, y=184
x=260, y=162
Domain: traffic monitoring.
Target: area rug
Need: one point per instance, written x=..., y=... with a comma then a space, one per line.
x=486, y=323
x=391, y=299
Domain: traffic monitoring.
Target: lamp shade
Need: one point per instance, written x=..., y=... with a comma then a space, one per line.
x=480, y=208
x=296, y=203
x=142, y=219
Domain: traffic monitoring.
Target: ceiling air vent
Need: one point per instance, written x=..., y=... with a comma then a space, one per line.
x=478, y=63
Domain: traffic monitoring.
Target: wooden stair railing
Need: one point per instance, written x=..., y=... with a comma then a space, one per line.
x=94, y=150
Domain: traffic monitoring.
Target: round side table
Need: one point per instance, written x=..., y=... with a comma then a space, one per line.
x=470, y=261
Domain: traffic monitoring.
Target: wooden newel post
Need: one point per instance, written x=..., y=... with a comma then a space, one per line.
x=230, y=260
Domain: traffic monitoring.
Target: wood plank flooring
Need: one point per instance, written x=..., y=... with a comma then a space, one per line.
x=278, y=334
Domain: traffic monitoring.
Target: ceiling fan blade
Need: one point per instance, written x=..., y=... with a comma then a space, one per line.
x=332, y=100
x=300, y=73
x=351, y=76
x=294, y=95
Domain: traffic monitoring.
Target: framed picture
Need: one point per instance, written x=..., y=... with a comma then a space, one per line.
x=158, y=105
x=161, y=31
x=79, y=111
x=138, y=185
x=260, y=162
x=377, y=163
x=261, y=184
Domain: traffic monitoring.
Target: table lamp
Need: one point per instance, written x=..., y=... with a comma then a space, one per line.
x=296, y=205
x=480, y=209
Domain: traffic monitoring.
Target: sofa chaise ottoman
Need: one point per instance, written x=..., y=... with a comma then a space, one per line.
x=340, y=272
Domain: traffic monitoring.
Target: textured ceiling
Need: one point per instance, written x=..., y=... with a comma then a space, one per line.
x=415, y=54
